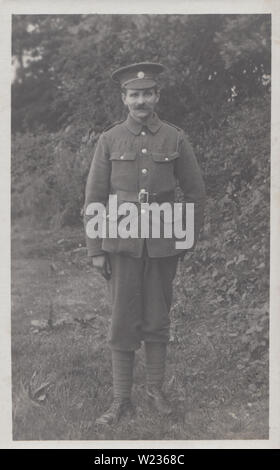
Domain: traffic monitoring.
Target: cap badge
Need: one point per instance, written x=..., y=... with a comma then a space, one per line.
x=140, y=75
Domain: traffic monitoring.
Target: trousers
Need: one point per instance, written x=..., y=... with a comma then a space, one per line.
x=141, y=296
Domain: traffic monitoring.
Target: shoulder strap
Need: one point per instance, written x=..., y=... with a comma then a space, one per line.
x=172, y=125
x=113, y=125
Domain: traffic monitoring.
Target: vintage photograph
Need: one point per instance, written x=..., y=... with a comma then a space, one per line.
x=140, y=226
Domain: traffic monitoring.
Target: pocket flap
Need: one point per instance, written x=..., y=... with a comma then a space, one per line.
x=123, y=156
x=164, y=157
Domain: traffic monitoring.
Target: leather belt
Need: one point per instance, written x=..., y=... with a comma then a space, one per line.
x=144, y=196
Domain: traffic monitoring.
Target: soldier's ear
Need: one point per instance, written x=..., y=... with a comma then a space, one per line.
x=158, y=93
x=123, y=95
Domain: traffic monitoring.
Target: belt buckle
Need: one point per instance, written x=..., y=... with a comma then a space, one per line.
x=143, y=196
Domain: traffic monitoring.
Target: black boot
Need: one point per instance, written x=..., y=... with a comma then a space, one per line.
x=159, y=400
x=117, y=410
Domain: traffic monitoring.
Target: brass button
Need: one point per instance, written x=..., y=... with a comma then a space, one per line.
x=166, y=158
x=144, y=150
x=122, y=157
x=144, y=171
x=143, y=133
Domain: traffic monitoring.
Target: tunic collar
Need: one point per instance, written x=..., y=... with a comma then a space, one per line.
x=153, y=124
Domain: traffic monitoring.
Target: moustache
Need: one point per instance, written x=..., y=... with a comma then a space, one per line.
x=143, y=108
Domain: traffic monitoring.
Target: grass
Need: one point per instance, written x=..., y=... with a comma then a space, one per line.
x=61, y=365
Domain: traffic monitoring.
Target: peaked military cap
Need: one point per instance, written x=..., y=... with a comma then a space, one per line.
x=138, y=76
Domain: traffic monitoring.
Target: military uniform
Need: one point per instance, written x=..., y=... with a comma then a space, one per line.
x=132, y=158
x=129, y=158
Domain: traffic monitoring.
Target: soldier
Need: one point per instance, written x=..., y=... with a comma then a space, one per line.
x=141, y=159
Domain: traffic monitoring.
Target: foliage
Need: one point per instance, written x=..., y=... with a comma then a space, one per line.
x=48, y=176
x=62, y=95
x=245, y=49
x=232, y=259
x=32, y=174
x=64, y=64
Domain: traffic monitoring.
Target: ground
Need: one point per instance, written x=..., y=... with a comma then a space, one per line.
x=61, y=370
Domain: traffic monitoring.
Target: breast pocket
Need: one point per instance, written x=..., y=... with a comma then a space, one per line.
x=163, y=178
x=124, y=171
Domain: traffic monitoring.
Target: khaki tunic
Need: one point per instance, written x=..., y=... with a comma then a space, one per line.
x=157, y=158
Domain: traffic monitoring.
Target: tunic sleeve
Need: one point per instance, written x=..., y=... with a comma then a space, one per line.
x=190, y=180
x=97, y=189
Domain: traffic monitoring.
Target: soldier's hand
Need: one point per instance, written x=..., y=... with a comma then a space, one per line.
x=98, y=261
x=102, y=264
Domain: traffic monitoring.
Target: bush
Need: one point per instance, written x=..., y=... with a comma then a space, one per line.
x=32, y=168
x=48, y=176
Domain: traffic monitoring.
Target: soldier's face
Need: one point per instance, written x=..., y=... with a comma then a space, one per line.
x=141, y=103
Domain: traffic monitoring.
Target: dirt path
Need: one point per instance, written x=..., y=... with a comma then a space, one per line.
x=61, y=363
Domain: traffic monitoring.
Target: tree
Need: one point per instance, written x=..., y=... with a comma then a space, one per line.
x=65, y=62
